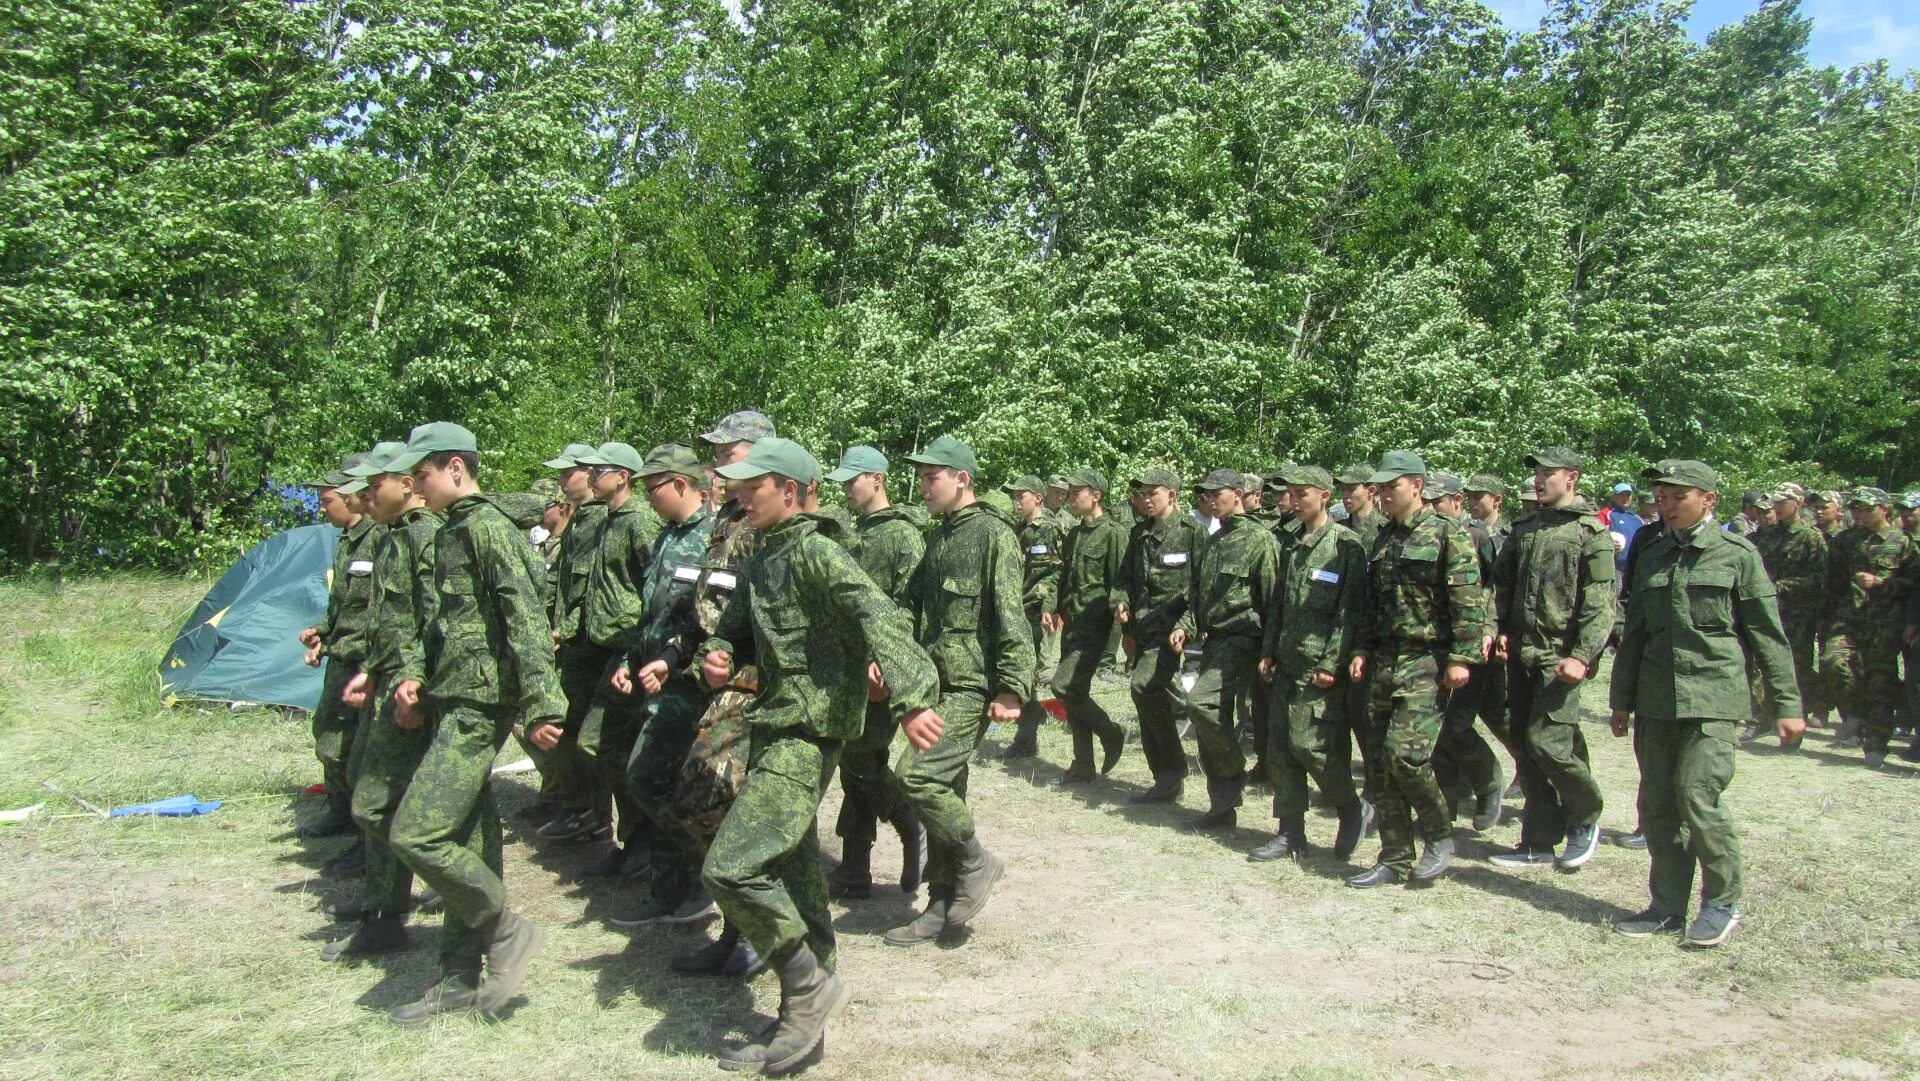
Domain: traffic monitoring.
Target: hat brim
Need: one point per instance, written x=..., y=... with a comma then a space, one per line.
x=1388, y=476
x=407, y=459
x=357, y=484
x=1681, y=482
x=742, y=471
x=559, y=463
x=842, y=474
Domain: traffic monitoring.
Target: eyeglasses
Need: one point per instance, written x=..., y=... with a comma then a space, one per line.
x=652, y=488
x=598, y=469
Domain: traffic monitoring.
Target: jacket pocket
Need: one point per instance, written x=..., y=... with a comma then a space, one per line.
x=1710, y=598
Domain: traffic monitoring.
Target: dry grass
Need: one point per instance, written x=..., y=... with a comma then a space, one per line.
x=1117, y=946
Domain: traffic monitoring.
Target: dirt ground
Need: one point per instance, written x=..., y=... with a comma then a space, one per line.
x=1119, y=944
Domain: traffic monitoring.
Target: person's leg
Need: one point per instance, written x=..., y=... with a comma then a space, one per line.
x=388, y=755
x=334, y=724
x=1703, y=768
x=653, y=772
x=1152, y=685
x=869, y=793
x=1543, y=822
x=1657, y=744
x=1560, y=751
x=772, y=818
x=1419, y=705
x=1225, y=664
x=1073, y=685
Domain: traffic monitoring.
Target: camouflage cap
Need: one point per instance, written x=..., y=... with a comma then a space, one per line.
x=1756, y=499
x=437, y=437
x=615, y=455
x=673, y=458
x=1310, y=476
x=1910, y=500
x=1087, y=478
x=1357, y=473
x=1156, y=477
x=1684, y=472
x=1440, y=485
x=1222, y=479
x=1525, y=490
x=746, y=426
x=547, y=489
x=1487, y=483
x=569, y=456
x=1058, y=480
x=1395, y=464
x=1250, y=482
x=1790, y=490
x=1027, y=483
x=948, y=453
x=1825, y=496
x=1275, y=480
x=782, y=457
x=856, y=461
x=1557, y=458
x=1866, y=495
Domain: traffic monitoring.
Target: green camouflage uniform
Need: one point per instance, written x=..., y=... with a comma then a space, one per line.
x=1795, y=555
x=343, y=641
x=717, y=760
x=1555, y=584
x=890, y=547
x=385, y=754
x=966, y=597
x=1463, y=762
x=492, y=667
x=669, y=631
x=1701, y=612
x=1091, y=557
x=1424, y=612
x=1311, y=624
x=1354, y=692
x=610, y=616
x=810, y=619
x=568, y=780
x=1156, y=572
x=1862, y=649
x=1040, y=545
x=1233, y=578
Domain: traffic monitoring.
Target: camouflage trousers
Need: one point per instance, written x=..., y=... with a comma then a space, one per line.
x=763, y=869
x=1685, y=767
x=934, y=781
x=1353, y=730
x=566, y=778
x=385, y=757
x=1155, y=703
x=1302, y=724
x=608, y=733
x=1861, y=666
x=653, y=773
x=334, y=726
x=447, y=828
x=716, y=763
x=1556, y=773
x=1406, y=706
x=868, y=783
x=1080, y=654
x=1464, y=763
x=1803, y=641
x=1227, y=664
x=1046, y=649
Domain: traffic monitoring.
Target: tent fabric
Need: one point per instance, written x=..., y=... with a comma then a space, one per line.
x=186, y=806
x=242, y=642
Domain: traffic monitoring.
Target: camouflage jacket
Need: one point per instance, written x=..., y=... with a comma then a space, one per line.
x=1886, y=553
x=1701, y=619
x=1368, y=527
x=966, y=601
x=1423, y=592
x=1156, y=572
x=403, y=597
x=1232, y=579
x=1555, y=587
x=1795, y=555
x=731, y=546
x=343, y=632
x=573, y=566
x=891, y=544
x=1040, y=549
x=488, y=636
x=670, y=627
x=1317, y=606
x=808, y=618
x=610, y=612
x=1090, y=559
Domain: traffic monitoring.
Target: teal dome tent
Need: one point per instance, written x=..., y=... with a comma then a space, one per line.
x=242, y=642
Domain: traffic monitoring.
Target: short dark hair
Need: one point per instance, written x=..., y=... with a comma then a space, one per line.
x=439, y=459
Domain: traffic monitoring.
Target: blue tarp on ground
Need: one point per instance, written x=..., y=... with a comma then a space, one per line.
x=242, y=643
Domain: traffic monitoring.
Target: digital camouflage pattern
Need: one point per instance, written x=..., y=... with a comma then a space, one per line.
x=1232, y=578
x=611, y=609
x=343, y=642
x=447, y=827
x=717, y=758
x=1040, y=553
x=573, y=566
x=1090, y=559
x=1314, y=614
x=403, y=597
x=1795, y=555
x=1156, y=572
x=763, y=868
x=891, y=544
x=1862, y=648
x=1367, y=527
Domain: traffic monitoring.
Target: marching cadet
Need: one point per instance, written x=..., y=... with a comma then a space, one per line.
x=341, y=640
x=1040, y=549
x=1084, y=611
x=1155, y=574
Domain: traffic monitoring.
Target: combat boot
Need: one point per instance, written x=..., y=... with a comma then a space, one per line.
x=1165, y=790
x=975, y=872
x=381, y=932
x=1113, y=742
x=925, y=927
x=1026, y=741
x=810, y=997
x=853, y=878
x=453, y=994
x=1356, y=821
x=1289, y=844
x=510, y=946
x=913, y=847
x=1435, y=858
x=349, y=863
x=710, y=959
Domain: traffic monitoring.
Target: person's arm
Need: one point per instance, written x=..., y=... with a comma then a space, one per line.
x=1506, y=569
x=1273, y=615
x=913, y=684
x=1465, y=598
x=1757, y=619
x=1350, y=563
x=410, y=641
x=504, y=565
x=1046, y=582
x=1006, y=632
x=1594, y=597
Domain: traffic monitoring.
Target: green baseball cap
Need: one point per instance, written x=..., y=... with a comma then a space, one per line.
x=1275, y=480
x=620, y=455
x=1220, y=479
x=1444, y=484
x=1487, y=483
x=379, y=460
x=1395, y=464
x=1869, y=496
x=1557, y=458
x=948, y=453
x=1357, y=473
x=1155, y=476
x=858, y=460
x=336, y=478
x=1308, y=476
x=1058, y=480
x=569, y=456
x=1028, y=483
x=434, y=438
x=673, y=458
x=1087, y=478
x=781, y=457
x=1685, y=472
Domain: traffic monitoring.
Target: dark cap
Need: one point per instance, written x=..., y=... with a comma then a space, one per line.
x=569, y=456
x=948, y=453
x=673, y=458
x=1756, y=499
x=782, y=457
x=1395, y=464
x=1275, y=480
x=746, y=426
x=1087, y=478
x=1557, y=458
x=1220, y=479
x=1685, y=472
x=1311, y=476
x=855, y=461
x=1486, y=482
x=1156, y=476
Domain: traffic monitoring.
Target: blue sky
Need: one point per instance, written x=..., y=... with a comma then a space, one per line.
x=1845, y=32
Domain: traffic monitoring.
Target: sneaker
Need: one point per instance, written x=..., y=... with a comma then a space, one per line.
x=649, y=911
x=1648, y=923
x=1523, y=855
x=1581, y=843
x=1711, y=927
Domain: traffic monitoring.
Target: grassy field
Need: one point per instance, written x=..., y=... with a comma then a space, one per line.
x=1117, y=945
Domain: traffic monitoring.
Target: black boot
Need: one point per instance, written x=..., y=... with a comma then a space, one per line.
x=1435, y=858
x=1026, y=741
x=810, y=997
x=1289, y=844
x=710, y=959
x=1113, y=742
x=853, y=878
x=381, y=932
x=913, y=847
x=328, y=825
x=349, y=863
x=1166, y=789
x=975, y=872
x=1223, y=799
x=1356, y=819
